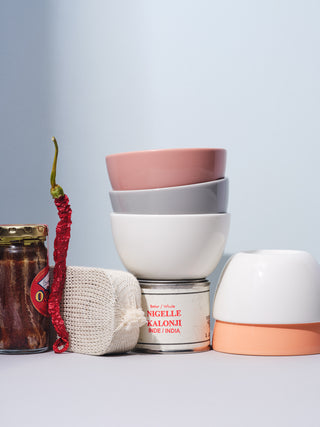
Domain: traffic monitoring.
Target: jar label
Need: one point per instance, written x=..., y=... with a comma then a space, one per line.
x=175, y=318
x=39, y=291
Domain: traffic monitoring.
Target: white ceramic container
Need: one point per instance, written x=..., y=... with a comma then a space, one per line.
x=170, y=247
x=269, y=287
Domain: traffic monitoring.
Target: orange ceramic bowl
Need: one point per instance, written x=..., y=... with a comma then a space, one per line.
x=266, y=340
x=140, y=170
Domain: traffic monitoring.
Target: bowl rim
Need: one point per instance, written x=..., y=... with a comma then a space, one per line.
x=266, y=340
x=270, y=252
x=163, y=150
x=122, y=215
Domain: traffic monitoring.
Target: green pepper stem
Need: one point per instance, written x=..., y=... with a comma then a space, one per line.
x=54, y=166
x=56, y=191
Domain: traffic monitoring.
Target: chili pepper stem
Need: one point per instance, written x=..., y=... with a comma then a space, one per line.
x=56, y=191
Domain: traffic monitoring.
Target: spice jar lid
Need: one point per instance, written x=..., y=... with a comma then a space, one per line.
x=16, y=232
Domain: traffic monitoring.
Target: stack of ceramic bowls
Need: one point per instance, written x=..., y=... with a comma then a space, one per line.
x=169, y=223
x=268, y=303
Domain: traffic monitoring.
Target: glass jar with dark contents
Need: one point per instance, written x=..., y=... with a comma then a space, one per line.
x=24, y=289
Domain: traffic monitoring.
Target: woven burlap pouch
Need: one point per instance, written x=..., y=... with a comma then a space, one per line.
x=101, y=310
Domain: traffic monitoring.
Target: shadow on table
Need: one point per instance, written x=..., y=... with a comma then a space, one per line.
x=214, y=279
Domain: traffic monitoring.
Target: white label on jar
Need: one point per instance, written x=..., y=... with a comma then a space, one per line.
x=175, y=318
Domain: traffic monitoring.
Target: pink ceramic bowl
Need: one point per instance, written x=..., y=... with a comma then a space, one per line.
x=141, y=170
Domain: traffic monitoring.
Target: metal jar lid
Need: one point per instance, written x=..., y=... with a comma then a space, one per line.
x=190, y=285
x=18, y=232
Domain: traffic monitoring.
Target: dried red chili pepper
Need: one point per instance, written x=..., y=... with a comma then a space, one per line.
x=61, y=244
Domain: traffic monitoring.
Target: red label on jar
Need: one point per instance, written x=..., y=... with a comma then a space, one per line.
x=39, y=291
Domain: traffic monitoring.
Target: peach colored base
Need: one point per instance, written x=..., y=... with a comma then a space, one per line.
x=266, y=340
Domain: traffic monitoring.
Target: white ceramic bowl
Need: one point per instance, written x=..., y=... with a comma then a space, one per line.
x=269, y=287
x=170, y=247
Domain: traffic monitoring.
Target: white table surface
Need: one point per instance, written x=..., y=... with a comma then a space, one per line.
x=159, y=390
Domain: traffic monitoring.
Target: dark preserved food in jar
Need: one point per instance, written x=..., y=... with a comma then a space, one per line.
x=24, y=289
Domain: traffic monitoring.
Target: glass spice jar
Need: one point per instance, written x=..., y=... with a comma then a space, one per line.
x=24, y=289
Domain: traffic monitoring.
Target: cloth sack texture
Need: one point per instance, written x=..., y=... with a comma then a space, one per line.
x=102, y=310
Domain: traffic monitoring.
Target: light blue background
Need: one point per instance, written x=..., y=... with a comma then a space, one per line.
x=107, y=77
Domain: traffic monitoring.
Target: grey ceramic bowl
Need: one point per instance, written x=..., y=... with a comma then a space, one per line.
x=204, y=198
